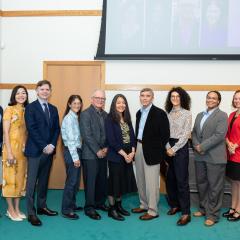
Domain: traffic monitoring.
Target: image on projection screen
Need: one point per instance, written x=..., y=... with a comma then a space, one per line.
x=173, y=27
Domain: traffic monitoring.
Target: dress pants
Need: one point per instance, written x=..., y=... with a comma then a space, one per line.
x=148, y=182
x=71, y=184
x=210, y=182
x=95, y=182
x=38, y=174
x=177, y=180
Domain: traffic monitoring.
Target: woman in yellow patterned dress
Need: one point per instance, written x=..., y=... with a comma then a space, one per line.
x=14, y=161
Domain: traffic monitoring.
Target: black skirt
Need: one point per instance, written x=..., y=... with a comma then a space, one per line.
x=121, y=179
x=233, y=170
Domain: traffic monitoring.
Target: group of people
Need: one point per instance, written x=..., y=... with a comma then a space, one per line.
x=105, y=145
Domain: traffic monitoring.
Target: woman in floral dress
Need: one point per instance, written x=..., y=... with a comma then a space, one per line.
x=14, y=161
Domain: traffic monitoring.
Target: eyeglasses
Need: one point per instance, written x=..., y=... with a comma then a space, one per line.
x=100, y=99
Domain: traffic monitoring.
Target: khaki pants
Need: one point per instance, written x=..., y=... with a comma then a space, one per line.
x=148, y=182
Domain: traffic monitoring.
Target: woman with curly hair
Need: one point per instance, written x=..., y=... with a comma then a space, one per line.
x=180, y=118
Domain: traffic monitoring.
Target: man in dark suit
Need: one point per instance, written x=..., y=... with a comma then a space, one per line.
x=152, y=132
x=94, y=155
x=42, y=123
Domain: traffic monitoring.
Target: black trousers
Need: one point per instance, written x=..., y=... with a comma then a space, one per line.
x=71, y=184
x=95, y=182
x=38, y=174
x=177, y=180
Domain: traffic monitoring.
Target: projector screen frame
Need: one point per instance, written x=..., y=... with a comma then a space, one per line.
x=100, y=55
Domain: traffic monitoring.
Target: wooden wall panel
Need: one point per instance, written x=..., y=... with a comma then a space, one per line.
x=69, y=78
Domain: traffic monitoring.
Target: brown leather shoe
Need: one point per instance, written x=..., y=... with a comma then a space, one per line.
x=173, y=211
x=198, y=214
x=138, y=210
x=209, y=223
x=184, y=220
x=147, y=216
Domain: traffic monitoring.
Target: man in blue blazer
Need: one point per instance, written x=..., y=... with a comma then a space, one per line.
x=42, y=123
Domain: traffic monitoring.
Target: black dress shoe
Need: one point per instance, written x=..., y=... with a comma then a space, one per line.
x=34, y=220
x=234, y=218
x=47, y=212
x=71, y=216
x=103, y=207
x=120, y=209
x=93, y=214
x=173, y=211
x=113, y=213
x=78, y=209
x=184, y=220
x=229, y=213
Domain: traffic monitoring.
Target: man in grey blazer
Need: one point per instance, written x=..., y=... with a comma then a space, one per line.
x=94, y=151
x=208, y=139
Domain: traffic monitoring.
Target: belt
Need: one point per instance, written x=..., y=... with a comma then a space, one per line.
x=140, y=141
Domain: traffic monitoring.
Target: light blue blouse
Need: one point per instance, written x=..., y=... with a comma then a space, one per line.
x=71, y=134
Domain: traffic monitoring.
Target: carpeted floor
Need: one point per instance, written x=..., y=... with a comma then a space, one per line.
x=132, y=228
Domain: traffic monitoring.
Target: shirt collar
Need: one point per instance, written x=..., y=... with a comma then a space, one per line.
x=73, y=114
x=42, y=101
x=147, y=109
x=206, y=112
x=176, y=109
x=97, y=110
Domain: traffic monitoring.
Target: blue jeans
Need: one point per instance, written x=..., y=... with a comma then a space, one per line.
x=71, y=184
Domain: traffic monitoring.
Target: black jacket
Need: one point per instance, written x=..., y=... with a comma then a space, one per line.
x=156, y=134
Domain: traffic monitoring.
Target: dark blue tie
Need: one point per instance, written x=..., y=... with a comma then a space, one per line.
x=46, y=112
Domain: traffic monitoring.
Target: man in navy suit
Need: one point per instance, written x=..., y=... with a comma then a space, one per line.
x=42, y=123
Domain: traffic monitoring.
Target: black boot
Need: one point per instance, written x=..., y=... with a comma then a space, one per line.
x=112, y=212
x=120, y=209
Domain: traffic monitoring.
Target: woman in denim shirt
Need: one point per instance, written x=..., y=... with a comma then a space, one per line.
x=72, y=154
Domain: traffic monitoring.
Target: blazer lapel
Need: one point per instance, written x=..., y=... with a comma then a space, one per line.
x=51, y=115
x=209, y=118
x=138, y=117
x=41, y=111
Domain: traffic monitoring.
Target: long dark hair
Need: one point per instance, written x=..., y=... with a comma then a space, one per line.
x=71, y=99
x=115, y=115
x=13, y=101
x=185, y=100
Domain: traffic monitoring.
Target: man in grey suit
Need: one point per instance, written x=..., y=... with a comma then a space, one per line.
x=208, y=139
x=94, y=151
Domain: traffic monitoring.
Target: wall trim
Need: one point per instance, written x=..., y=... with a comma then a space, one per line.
x=50, y=13
x=123, y=87
x=12, y=85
